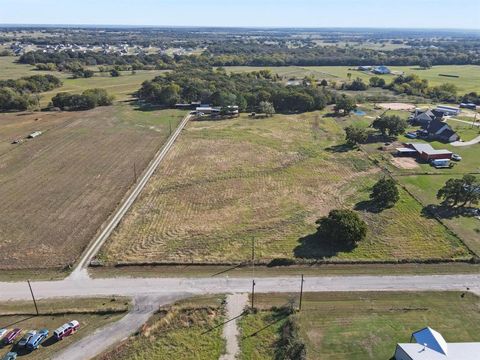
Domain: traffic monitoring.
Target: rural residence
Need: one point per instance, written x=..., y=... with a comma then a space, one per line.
x=428, y=344
x=441, y=131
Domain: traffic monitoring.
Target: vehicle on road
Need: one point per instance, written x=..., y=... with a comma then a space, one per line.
x=456, y=157
x=66, y=329
x=10, y=356
x=24, y=340
x=10, y=337
x=3, y=332
x=37, y=339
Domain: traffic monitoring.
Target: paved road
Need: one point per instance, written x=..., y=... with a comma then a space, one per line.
x=132, y=287
x=94, y=247
x=466, y=143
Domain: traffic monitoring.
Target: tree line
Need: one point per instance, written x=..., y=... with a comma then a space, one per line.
x=87, y=100
x=416, y=86
x=69, y=61
x=246, y=90
x=21, y=94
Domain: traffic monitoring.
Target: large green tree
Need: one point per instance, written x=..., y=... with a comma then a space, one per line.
x=385, y=193
x=355, y=135
x=342, y=227
x=266, y=108
x=460, y=192
x=346, y=104
x=391, y=125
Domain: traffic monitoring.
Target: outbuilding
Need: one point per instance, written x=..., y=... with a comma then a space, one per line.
x=427, y=153
x=448, y=110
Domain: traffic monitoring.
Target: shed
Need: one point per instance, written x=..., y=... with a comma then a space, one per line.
x=427, y=152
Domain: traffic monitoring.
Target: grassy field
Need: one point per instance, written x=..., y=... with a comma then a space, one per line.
x=121, y=87
x=227, y=182
x=359, y=325
x=90, y=313
x=468, y=75
x=187, y=330
x=9, y=69
x=425, y=187
x=59, y=188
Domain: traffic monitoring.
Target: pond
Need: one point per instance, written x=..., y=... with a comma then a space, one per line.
x=360, y=112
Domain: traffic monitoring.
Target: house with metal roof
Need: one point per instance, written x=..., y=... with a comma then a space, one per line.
x=428, y=344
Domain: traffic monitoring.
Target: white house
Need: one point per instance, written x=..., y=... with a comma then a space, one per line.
x=430, y=345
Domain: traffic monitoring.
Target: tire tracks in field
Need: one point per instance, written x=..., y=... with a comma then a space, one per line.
x=92, y=250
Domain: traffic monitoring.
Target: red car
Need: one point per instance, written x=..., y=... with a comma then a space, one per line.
x=10, y=337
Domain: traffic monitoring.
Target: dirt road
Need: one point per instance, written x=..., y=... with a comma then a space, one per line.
x=92, y=250
x=150, y=293
x=97, y=342
x=134, y=287
x=235, y=306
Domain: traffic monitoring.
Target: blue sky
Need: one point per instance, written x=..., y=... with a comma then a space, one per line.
x=463, y=14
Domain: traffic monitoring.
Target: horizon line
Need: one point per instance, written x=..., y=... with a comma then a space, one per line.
x=233, y=27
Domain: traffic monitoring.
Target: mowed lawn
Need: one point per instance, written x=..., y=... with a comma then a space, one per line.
x=59, y=188
x=350, y=326
x=191, y=329
x=226, y=183
x=92, y=314
x=468, y=79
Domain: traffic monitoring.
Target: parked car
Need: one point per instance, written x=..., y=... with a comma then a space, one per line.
x=23, y=342
x=10, y=356
x=37, y=339
x=3, y=332
x=456, y=157
x=411, y=135
x=66, y=329
x=10, y=337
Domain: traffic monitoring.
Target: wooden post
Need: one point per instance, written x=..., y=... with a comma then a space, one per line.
x=301, y=295
x=253, y=294
x=33, y=297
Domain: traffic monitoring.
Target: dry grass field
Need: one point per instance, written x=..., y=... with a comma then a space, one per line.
x=59, y=188
x=189, y=329
x=227, y=182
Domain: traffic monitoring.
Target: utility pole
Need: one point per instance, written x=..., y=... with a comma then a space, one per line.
x=301, y=295
x=253, y=256
x=253, y=294
x=253, y=272
x=33, y=297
